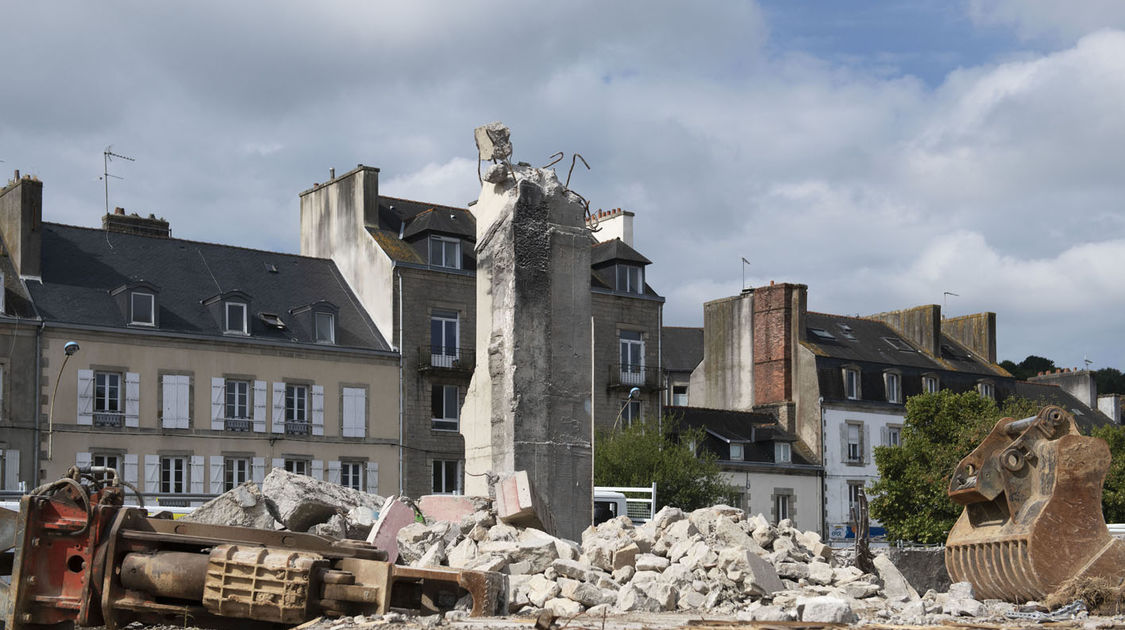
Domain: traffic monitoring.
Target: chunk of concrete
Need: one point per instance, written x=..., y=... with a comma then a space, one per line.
x=450, y=507
x=895, y=586
x=302, y=501
x=517, y=504
x=562, y=607
x=825, y=609
x=393, y=516
x=242, y=506
x=494, y=141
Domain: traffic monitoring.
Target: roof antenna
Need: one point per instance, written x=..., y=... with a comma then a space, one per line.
x=106, y=156
x=945, y=301
x=744, y=263
x=1087, y=361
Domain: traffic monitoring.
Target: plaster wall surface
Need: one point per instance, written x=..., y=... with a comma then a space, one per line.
x=724, y=379
x=616, y=224
x=18, y=400
x=1077, y=383
x=759, y=489
x=977, y=332
x=21, y=218
x=1111, y=406
x=839, y=469
x=921, y=325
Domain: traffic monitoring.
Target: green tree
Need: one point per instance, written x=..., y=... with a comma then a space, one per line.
x=910, y=498
x=1109, y=381
x=648, y=452
x=1029, y=367
x=1113, y=493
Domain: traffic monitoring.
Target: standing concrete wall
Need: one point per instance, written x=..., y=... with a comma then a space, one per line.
x=528, y=405
x=724, y=379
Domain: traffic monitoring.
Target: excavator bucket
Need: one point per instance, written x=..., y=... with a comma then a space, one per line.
x=1032, y=493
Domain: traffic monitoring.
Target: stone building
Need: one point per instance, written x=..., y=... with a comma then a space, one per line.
x=413, y=267
x=201, y=365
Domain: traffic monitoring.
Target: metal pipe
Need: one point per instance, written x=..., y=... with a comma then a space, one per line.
x=1019, y=426
x=173, y=574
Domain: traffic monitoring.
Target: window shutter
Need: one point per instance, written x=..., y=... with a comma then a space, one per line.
x=216, y=474
x=334, y=472
x=12, y=469
x=278, y=408
x=183, y=400
x=258, y=469
x=278, y=462
x=843, y=441
x=259, y=406
x=196, y=478
x=318, y=410
x=359, y=416
x=130, y=472
x=373, y=477
x=318, y=469
x=169, y=418
x=218, y=393
x=85, y=397
x=884, y=436
x=353, y=412
x=132, y=399
x=83, y=460
x=864, y=441
x=152, y=473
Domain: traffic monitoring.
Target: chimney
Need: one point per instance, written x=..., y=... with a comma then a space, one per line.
x=977, y=332
x=611, y=224
x=135, y=224
x=21, y=219
x=921, y=325
x=1110, y=405
x=1077, y=383
x=779, y=324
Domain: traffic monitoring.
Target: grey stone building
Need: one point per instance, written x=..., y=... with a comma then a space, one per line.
x=413, y=266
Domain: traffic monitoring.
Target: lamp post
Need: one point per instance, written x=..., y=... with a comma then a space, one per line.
x=69, y=348
x=634, y=394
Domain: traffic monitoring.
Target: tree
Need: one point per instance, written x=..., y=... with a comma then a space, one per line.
x=1109, y=381
x=1113, y=493
x=910, y=498
x=648, y=452
x=1030, y=366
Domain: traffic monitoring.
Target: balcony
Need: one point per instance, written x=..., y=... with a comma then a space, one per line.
x=297, y=428
x=238, y=424
x=628, y=376
x=446, y=359
x=108, y=419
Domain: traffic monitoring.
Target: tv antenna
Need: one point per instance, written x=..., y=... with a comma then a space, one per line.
x=107, y=155
x=744, y=263
x=945, y=300
x=1087, y=361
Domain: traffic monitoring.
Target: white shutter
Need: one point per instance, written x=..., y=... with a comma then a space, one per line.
x=130, y=472
x=865, y=445
x=259, y=406
x=183, y=400
x=334, y=472
x=258, y=467
x=83, y=460
x=355, y=412
x=85, y=397
x=132, y=399
x=216, y=474
x=152, y=473
x=218, y=391
x=373, y=477
x=883, y=436
x=318, y=469
x=279, y=407
x=318, y=410
x=168, y=417
x=843, y=441
x=196, y=475
x=277, y=462
x=12, y=469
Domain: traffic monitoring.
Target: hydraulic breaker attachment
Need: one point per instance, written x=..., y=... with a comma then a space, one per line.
x=76, y=556
x=1032, y=493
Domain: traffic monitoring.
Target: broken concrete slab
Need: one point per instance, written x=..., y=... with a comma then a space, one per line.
x=302, y=501
x=450, y=507
x=393, y=516
x=517, y=504
x=895, y=586
x=242, y=506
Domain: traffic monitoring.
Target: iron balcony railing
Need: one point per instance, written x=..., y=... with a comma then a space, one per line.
x=296, y=428
x=109, y=419
x=446, y=358
x=629, y=375
x=239, y=424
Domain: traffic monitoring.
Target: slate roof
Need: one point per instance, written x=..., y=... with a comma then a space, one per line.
x=81, y=266
x=682, y=348
x=747, y=427
x=613, y=250
x=1050, y=394
x=444, y=221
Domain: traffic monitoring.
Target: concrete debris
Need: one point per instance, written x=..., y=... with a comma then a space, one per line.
x=242, y=506
x=393, y=516
x=302, y=501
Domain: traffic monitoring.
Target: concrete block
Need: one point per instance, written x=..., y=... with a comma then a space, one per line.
x=448, y=507
x=302, y=501
x=242, y=506
x=825, y=609
x=625, y=556
x=517, y=504
x=393, y=516
x=895, y=586
x=562, y=607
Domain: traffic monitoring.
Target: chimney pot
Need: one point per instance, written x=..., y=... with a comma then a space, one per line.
x=119, y=210
x=332, y=173
x=17, y=174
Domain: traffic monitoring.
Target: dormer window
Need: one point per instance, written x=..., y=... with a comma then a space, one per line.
x=235, y=318
x=325, y=328
x=986, y=389
x=930, y=384
x=142, y=307
x=782, y=453
x=851, y=383
x=445, y=252
x=736, y=452
x=893, y=383
x=630, y=279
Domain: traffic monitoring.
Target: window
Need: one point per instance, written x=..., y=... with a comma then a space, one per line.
x=679, y=395
x=107, y=399
x=851, y=383
x=444, y=404
x=297, y=410
x=173, y=475
x=893, y=383
x=630, y=411
x=736, y=452
x=930, y=384
x=986, y=389
x=236, y=471
x=822, y=333
x=855, y=498
x=782, y=507
x=445, y=252
x=898, y=344
x=447, y=476
x=354, y=410
x=632, y=348
x=235, y=313
x=351, y=475
x=782, y=452
x=297, y=466
x=108, y=461
x=141, y=309
x=443, y=338
x=325, y=328
x=854, y=443
x=894, y=435
x=630, y=279
x=238, y=400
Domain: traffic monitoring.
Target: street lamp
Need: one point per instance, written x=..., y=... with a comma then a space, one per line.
x=634, y=394
x=69, y=348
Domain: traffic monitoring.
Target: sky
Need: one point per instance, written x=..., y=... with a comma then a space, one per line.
x=882, y=153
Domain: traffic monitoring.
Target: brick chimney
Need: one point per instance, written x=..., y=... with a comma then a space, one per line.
x=779, y=323
x=135, y=224
x=921, y=325
x=611, y=224
x=21, y=223
x=977, y=332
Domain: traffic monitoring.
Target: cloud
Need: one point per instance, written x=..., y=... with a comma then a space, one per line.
x=1058, y=22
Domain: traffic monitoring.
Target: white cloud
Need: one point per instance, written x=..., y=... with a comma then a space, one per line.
x=1047, y=19
x=453, y=183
